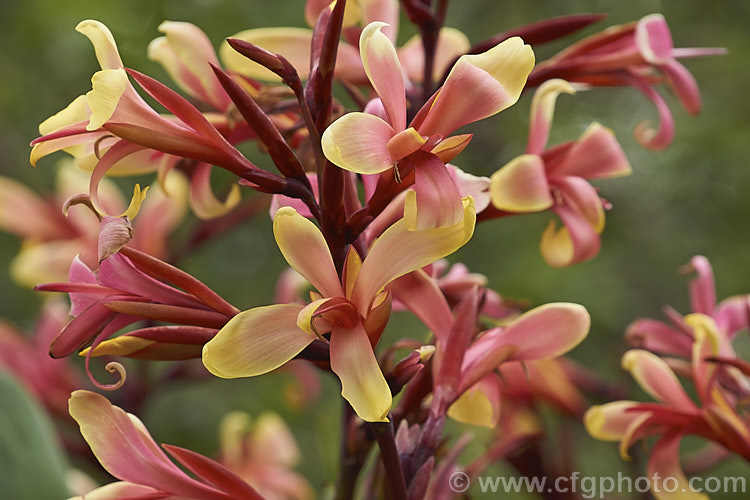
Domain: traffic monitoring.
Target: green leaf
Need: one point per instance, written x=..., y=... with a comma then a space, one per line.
x=31, y=462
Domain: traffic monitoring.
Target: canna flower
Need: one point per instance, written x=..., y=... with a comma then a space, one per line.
x=186, y=54
x=354, y=309
x=636, y=54
x=129, y=287
x=51, y=239
x=556, y=179
x=263, y=453
x=465, y=382
x=731, y=316
x=112, y=129
x=378, y=139
x=124, y=447
x=676, y=415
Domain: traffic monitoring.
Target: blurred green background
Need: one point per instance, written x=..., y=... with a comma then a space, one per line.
x=690, y=199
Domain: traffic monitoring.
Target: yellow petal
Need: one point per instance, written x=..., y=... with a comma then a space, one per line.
x=108, y=86
x=362, y=382
x=610, y=421
x=76, y=112
x=292, y=43
x=306, y=250
x=521, y=186
x=474, y=407
x=542, y=111
x=256, y=341
x=399, y=251
x=103, y=42
x=556, y=245
x=135, y=202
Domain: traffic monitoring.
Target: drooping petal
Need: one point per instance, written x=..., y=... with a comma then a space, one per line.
x=451, y=44
x=659, y=138
x=480, y=404
x=542, y=111
x=421, y=295
x=451, y=147
x=358, y=142
x=305, y=249
x=582, y=197
x=362, y=382
x=684, y=85
x=665, y=464
x=595, y=155
x=256, y=341
x=384, y=72
x=399, y=251
x=609, y=422
x=103, y=42
x=702, y=287
x=656, y=378
x=479, y=86
x=203, y=202
x=576, y=242
x=435, y=200
x=521, y=186
x=125, y=449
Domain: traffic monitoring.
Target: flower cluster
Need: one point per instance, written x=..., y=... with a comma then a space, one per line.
x=366, y=204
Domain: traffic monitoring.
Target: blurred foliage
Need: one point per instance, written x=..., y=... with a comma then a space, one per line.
x=28, y=447
x=690, y=199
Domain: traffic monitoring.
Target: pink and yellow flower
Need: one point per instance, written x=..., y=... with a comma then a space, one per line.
x=376, y=140
x=556, y=179
x=637, y=54
x=353, y=309
x=676, y=415
x=124, y=447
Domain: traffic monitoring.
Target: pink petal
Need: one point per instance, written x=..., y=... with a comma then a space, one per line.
x=421, y=295
x=479, y=86
x=576, y=242
x=384, y=71
x=596, y=154
x=279, y=200
x=362, y=382
x=609, y=422
x=542, y=111
x=684, y=85
x=451, y=44
x=733, y=314
x=119, y=273
x=582, y=197
x=435, y=201
x=654, y=40
x=702, y=287
x=659, y=337
x=665, y=461
x=655, y=139
x=126, y=450
x=656, y=378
